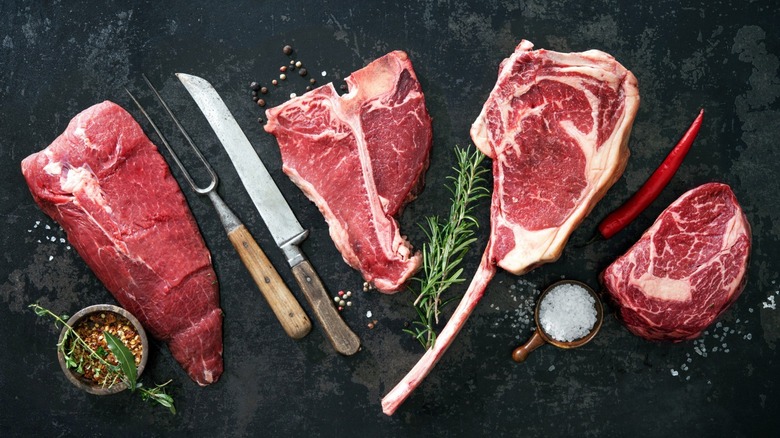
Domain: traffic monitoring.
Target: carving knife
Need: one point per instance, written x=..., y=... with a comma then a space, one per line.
x=276, y=213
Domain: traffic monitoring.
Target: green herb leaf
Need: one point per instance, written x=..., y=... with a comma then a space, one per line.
x=125, y=358
x=448, y=243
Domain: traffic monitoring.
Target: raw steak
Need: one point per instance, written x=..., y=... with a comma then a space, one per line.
x=360, y=158
x=686, y=269
x=113, y=194
x=556, y=126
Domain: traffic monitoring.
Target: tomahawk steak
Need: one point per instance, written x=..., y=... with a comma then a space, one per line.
x=556, y=126
x=113, y=194
x=360, y=158
x=686, y=269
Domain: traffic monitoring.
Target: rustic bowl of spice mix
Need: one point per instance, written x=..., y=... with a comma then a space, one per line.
x=80, y=365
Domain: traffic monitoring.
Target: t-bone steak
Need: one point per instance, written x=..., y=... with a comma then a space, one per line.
x=556, y=126
x=686, y=269
x=113, y=194
x=360, y=158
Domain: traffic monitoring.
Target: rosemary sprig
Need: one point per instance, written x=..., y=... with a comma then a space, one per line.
x=448, y=243
x=126, y=371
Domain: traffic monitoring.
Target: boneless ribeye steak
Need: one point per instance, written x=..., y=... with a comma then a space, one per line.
x=556, y=126
x=360, y=158
x=686, y=269
x=113, y=194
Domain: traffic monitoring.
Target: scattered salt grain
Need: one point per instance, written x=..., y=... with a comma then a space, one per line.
x=369, y=314
x=675, y=373
x=567, y=313
x=324, y=73
x=51, y=258
x=552, y=368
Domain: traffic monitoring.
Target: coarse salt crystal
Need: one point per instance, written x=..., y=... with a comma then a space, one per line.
x=324, y=73
x=369, y=314
x=675, y=373
x=567, y=313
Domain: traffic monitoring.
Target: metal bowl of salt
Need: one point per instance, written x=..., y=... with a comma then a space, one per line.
x=568, y=315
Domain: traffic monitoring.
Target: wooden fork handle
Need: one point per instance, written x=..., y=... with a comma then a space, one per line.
x=283, y=303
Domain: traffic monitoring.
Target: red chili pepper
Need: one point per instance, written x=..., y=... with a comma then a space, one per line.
x=618, y=219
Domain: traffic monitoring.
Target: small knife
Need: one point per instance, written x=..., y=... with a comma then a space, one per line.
x=276, y=213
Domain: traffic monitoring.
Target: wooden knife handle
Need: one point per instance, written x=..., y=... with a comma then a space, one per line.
x=340, y=335
x=283, y=303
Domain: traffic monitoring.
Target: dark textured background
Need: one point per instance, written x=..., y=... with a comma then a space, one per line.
x=59, y=57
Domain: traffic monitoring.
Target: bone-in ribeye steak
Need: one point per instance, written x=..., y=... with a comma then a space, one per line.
x=360, y=158
x=686, y=269
x=113, y=194
x=556, y=126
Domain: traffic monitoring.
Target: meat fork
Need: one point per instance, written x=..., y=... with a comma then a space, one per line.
x=283, y=303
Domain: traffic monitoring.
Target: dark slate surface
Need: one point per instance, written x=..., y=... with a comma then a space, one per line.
x=58, y=58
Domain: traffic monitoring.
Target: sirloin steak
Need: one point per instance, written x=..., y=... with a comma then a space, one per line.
x=360, y=158
x=686, y=269
x=556, y=126
x=111, y=191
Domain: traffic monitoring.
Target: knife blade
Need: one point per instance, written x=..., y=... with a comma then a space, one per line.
x=276, y=213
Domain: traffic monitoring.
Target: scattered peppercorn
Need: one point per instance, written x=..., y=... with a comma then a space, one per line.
x=260, y=102
x=303, y=72
x=283, y=68
x=260, y=120
x=254, y=86
x=287, y=50
x=343, y=87
x=312, y=81
x=298, y=64
x=254, y=98
x=308, y=88
x=282, y=76
x=275, y=82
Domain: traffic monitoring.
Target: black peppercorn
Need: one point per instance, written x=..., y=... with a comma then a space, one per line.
x=312, y=81
x=264, y=90
x=260, y=102
x=287, y=50
x=254, y=86
x=260, y=120
x=302, y=71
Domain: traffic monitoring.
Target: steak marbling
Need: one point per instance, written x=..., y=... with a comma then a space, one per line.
x=686, y=269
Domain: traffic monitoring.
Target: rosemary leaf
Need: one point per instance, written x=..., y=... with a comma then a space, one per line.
x=448, y=243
